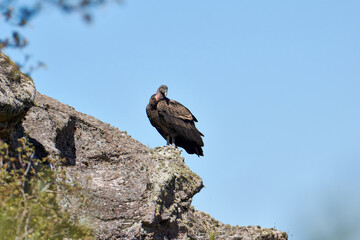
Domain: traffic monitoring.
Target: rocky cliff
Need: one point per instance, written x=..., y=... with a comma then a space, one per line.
x=17, y=92
x=133, y=192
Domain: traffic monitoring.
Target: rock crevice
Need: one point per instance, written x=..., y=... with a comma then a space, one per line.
x=17, y=93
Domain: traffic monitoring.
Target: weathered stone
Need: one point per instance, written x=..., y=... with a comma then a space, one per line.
x=201, y=225
x=17, y=92
x=133, y=192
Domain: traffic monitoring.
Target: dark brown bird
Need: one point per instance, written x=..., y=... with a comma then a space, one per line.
x=174, y=122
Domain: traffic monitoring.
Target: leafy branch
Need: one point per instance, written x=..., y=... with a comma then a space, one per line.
x=29, y=197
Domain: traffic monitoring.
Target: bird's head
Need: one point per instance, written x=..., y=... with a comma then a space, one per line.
x=161, y=92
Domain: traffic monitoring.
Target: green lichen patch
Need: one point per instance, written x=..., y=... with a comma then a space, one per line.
x=173, y=184
x=13, y=70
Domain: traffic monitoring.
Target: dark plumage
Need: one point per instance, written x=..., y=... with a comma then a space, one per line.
x=174, y=122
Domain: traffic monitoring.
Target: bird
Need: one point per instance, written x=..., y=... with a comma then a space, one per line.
x=174, y=122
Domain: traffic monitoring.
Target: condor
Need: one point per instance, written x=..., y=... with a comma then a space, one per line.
x=174, y=122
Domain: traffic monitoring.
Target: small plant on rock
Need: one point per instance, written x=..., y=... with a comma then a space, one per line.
x=29, y=198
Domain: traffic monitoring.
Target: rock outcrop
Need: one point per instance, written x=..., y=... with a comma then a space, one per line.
x=132, y=191
x=17, y=92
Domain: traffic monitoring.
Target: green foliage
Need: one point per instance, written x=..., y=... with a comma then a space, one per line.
x=29, y=196
x=212, y=235
x=18, y=14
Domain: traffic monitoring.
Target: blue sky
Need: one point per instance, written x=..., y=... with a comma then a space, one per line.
x=274, y=84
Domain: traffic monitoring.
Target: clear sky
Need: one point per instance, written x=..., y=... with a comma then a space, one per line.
x=274, y=84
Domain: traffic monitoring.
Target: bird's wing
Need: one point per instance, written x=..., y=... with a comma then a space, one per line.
x=180, y=119
x=175, y=109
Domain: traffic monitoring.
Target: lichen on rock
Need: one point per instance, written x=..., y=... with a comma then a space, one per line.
x=17, y=93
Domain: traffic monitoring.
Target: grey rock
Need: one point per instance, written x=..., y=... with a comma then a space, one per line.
x=17, y=92
x=133, y=192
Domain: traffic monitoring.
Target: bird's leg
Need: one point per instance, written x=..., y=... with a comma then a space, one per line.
x=173, y=142
x=168, y=140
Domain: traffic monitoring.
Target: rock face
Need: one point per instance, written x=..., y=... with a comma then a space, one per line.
x=132, y=191
x=17, y=92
